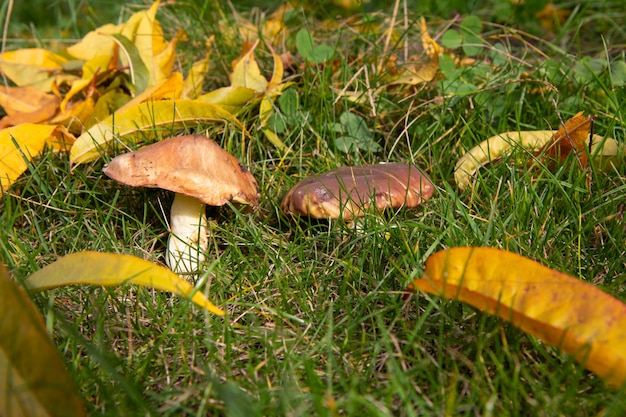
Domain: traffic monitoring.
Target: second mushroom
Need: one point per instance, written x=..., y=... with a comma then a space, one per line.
x=348, y=192
x=200, y=172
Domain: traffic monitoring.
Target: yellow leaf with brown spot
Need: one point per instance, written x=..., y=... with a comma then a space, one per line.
x=24, y=142
x=96, y=65
x=564, y=311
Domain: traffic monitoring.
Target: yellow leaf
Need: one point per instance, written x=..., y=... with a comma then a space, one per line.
x=275, y=140
x=156, y=54
x=24, y=142
x=34, y=67
x=95, y=43
x=163, y=62
x=603, y=151
x=96, y=65
x=33, y=377
x=564, y=311
x=169, y=88
x=272, y=30
x=417, y=73
x=108, y=269
x=74, y=115
x=277, y=75
x=246, y=72
x=275, y=88
x=231, y=99
x=143, y=122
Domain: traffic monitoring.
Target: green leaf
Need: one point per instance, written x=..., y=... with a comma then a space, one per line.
x=304, y=43
x=143, y=122
x=355, y=126
x=618, y=73
x=472, y=44
x=33, y=378
x=139, y=74
x=451, y=39
x=354, y=134
x=277, y=123
x=308, y=50
x=108, y=269
x=471, y=25
x=499, y=55
x=322, y=53
x=586, y=69
x=289, y=102
x=345, y=144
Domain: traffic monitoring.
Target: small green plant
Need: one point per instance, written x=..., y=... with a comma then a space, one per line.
x=355, y=135
x=467, y=37
x=290, y=113
x=315, y=54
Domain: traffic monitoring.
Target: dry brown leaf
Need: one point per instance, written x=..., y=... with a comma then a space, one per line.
x=573, y=136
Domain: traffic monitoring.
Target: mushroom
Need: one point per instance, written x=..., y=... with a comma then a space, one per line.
x=200, y=172
x=348, y=192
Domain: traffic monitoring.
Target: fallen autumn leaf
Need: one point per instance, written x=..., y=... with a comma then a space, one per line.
x=564, y=311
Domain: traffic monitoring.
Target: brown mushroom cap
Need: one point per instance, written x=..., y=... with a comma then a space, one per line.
x=347, y=192
x=192, y=165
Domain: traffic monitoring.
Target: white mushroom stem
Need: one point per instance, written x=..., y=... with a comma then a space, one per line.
x=189, y=235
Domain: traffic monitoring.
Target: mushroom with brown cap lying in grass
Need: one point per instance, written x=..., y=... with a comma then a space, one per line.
x=348, y=192
x=200, y=172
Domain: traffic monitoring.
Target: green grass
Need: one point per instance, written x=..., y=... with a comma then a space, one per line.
x=317, y=324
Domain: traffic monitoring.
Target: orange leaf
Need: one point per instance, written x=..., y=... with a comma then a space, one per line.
x=552, y=16
x=564, y=311
x=27, y=105
x=22, y=99
x=573, y=136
